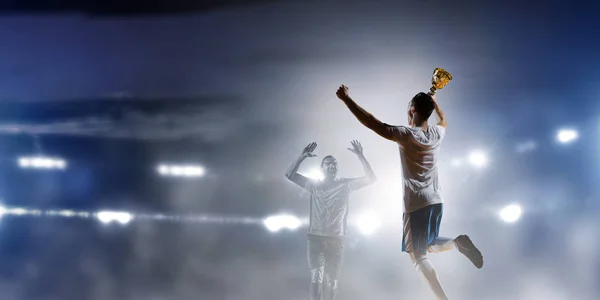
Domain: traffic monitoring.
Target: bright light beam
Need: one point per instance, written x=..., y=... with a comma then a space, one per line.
x=315, y=174
x=511, y=213
x=111, y=216
x=368, y=223
x=272, y=223
x=41, y=162
x=181, y=170
x=478, y=159
x=567, y=136
x=279, y=222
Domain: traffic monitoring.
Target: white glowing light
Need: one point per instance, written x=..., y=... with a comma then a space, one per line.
x=315, y=174
x=24, y=162
x=61, y=164
x=112, y=216
x=19, y=211
x=181, y=170
x=368, y=223
x=176, y=171
x=478, y=159
x=565, y=136
x=41, y=162
x=279, y=222
x=511, y=213
x=275, y=223
x=163, y=170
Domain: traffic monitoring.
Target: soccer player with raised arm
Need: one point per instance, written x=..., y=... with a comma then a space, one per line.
x=419, y=147
x=329, y=203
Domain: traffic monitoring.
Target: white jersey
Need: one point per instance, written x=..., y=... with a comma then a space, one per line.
x=329, y=204
x=419, y=155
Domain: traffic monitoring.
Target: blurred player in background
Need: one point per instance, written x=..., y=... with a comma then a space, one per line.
x=329, y=201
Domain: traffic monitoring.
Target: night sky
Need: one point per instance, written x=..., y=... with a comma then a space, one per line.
x=241, y=90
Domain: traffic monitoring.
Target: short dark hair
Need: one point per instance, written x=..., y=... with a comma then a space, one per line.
x=326, y=157
x=423, y=104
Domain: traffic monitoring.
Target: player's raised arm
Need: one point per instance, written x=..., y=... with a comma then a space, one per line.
x=292, y=172
x=384, y=130
x=369, y=178
x=439, y=113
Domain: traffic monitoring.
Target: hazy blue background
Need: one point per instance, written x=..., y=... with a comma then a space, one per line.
x=242, y=90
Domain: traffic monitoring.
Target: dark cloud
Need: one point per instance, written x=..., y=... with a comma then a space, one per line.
x=129, y=7
x=206, y=119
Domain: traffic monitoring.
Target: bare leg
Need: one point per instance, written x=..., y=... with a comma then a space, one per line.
x=464, y=245
x=316, y=283
x=442, y=244
x=333, y=257
x=425, y=268
x=331, y=287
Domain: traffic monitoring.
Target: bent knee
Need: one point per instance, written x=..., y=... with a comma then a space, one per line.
x=333, y=283
x=316, y=275
x=417, y=257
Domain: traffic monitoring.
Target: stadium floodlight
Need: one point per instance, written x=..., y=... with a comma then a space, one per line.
x=41, y=162
x=114, y=216
x=279, y=222
x=511, y=213
x=180, y=170
x=567, y=135
x=478, y=159
x=368, y=223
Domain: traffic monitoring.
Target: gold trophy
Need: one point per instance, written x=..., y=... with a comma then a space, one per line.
x=439, y=79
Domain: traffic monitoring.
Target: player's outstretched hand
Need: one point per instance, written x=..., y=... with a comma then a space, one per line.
x=356, y=148
x=307, y=152
x=342, y=92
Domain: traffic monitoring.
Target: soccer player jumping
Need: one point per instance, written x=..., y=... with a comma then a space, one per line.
x=419, y=147
x=329, y=202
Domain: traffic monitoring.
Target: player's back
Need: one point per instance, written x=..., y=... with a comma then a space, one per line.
x=419, y=151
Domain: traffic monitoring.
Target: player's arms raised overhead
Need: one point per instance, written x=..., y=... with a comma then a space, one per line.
x=439, y=113
x=366, y=118
x=369, y=178
x=292, y=172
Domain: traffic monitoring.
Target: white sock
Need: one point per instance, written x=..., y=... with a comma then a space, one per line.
x=425, y=268
x=441, y=244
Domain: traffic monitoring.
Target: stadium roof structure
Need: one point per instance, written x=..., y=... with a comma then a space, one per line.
x=109, y=8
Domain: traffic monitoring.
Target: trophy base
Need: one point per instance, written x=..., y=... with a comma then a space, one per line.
x=432, y=91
